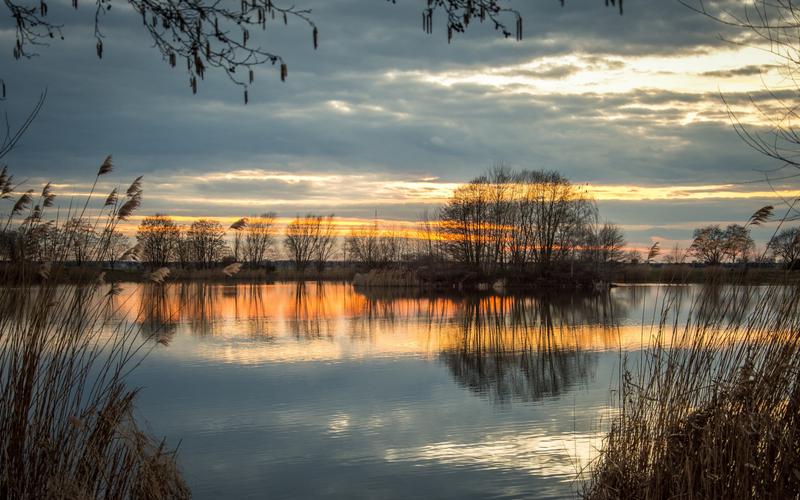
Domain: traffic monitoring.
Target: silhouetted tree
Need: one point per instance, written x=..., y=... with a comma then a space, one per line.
x=464, y=224
x=84, y=239
x=708, y=245
x=713, y=245
x=372, y=245
x=309, y=239
x=182, y=250
x=738, y=243
x=206, y=241
x=158, y=235
x=116, y=247
x=236, y=246
x=426, y=240
x=326, y=242
x=43, y=242
x=786, y=246
x=362, y=244
x=259, y=238
x=633, y=257
x=605, y=244
x=526, y=218
x=677, y=255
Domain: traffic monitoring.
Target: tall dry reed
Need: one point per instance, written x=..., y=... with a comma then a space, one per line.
x=67, y=428
x=711, y=407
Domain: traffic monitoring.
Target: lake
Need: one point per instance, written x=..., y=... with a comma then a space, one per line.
x=326, y=391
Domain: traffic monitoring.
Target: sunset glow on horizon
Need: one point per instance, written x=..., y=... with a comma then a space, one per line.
x=357, y=249
x=640, y=116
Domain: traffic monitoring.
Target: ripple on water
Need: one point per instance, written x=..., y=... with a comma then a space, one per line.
x=332, y=393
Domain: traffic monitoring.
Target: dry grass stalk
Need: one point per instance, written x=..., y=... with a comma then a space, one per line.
x=712, y=407
x=232, y=269
x=66, y=423
x=106, y=167
x=159, y=275
x=239, y=224
x=134, y=253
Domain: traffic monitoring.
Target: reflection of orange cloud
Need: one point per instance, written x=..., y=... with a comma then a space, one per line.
x=333, y=322
x=287, y=322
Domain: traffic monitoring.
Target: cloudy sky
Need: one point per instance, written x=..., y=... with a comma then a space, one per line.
x=385, y=119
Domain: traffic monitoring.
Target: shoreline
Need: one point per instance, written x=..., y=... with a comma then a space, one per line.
x=443, y=279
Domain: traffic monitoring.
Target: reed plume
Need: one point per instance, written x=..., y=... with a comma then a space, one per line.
x=159, y=275
x=711, y=409
x=232, y=269
x=106, y=167
x=67, y=428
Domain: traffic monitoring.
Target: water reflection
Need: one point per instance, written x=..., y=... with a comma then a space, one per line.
x=514, y=348
x=499, y=347
x=311, y=314
x=386, y=393
x=159, y=315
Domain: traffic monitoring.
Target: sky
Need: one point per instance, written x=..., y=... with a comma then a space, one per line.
x=384, y=120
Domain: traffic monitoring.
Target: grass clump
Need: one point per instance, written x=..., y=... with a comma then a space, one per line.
x=67, y=427
x=711, y=409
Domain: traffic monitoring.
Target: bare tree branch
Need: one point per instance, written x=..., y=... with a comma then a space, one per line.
x=13, y=136
x=203, y=34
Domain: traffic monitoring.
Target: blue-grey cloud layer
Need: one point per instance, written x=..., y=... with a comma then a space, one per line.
x=132, y=105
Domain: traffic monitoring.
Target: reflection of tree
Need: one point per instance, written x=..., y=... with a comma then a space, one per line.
x=375, y=310
x=395, y=305
x=591, y=308
x=201, y=306
x=164, y=307
x=719, y=304
x=711, y=303
x=515, y=348
x=252, y=309
x=372, y=317
x=311, y=318
x=158, y=316
x=522, y=347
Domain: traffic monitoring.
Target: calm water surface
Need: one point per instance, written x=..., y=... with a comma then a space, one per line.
x=326, y=391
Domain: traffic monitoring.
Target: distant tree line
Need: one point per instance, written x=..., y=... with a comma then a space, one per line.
x=714, y=245
x=504, y=221
x=309, y=240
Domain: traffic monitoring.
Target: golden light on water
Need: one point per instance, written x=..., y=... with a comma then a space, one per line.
x=533, y=350
x=285, y=322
